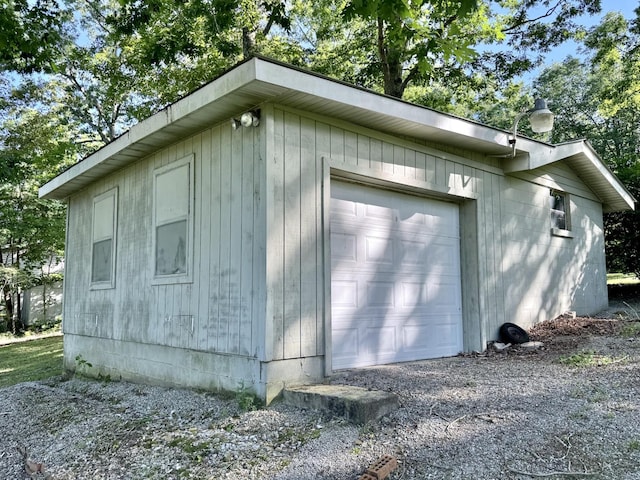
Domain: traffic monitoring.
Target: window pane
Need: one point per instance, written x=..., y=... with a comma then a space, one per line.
x=102, y=261
x=558, y=220
x=172, y=194
x=103, y=211
x=558, y=211
x=557, y=202
x=171, y=248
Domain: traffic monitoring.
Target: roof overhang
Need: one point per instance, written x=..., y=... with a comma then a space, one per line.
x=580, y=156
x=259, y=80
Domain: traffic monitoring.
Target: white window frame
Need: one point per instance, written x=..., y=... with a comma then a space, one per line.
x=187, y=275
x=111, y=282
x=566, y=231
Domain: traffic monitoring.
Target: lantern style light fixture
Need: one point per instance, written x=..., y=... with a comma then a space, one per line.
x=540, y=118
x=247, y=119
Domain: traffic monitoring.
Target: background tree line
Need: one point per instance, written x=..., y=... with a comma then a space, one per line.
x=74, y=74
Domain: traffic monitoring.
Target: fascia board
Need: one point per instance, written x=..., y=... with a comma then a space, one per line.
x=608, y=175
x=539, y=155
x=367, y=101
x=234, y=79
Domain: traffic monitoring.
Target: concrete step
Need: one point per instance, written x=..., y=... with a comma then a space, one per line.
x=358, y=405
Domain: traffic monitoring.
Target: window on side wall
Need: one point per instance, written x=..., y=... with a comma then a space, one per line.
x=560, y=215
x=103, y=242
x=173, y=222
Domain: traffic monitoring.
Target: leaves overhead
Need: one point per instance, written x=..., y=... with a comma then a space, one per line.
x=32, y=33
x=77, y=73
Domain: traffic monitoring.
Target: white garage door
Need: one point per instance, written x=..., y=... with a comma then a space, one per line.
x=395, y=277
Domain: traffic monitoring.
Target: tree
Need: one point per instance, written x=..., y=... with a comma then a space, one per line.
x=411, y=38
x=189, y=43
x=423, y=41
x=35, y=144
x=616, y=61
x=32, y=34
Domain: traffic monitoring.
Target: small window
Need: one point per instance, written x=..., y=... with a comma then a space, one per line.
x=103, y=244
x=559, y=206
x=172, y=222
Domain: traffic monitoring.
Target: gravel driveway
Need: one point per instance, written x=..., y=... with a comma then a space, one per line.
x=570, y=410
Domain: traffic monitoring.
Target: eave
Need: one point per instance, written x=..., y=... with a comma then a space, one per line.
x=580, y=156
x=259, y=80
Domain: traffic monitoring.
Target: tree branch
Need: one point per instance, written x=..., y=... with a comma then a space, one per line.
x=548, y=13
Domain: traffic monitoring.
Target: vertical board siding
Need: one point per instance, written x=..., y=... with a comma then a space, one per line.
x=292, y=237
x=275, y=239
x=233, y=275
x=203, y=207
x=247, y=235
x=295, y=275
x=216, y=311
x=310, y=229
x=215, y=228
x=546, y=275
x=258, y=238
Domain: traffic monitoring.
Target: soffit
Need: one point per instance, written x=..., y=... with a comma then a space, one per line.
x=258, y=80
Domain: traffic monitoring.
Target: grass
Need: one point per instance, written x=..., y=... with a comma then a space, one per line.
x=588, y=359
x=30, y=360
x=622, y=279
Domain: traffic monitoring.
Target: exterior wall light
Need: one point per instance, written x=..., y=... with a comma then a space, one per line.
x=250, y=119
x=540, y=118
x=247, y=119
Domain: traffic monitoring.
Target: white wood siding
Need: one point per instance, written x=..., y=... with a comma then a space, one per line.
x=295, y=269
x=259, y=283
x=546, y=275
x=508, y=242
x=220, y=310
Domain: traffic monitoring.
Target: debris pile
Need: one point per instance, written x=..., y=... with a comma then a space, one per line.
x=568, y=325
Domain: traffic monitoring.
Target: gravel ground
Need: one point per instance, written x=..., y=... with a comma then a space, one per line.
x=569, y=410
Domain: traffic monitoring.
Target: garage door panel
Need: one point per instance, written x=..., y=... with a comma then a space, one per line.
x=346, y=346
x=432, y=336
x=395, y=277
x=343, y=247
x=342, y=206
x=380, y=340
x=377, y=213
x=378, y=250
x=427, y=252
x=344, y=294
x=380, y=294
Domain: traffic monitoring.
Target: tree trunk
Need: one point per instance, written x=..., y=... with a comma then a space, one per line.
x=248, y=42
x=391, y=64
x=18, y=324
x=393, y=81
x=8, y=305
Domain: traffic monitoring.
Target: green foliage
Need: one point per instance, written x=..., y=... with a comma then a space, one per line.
x=82, y=366
x=587, y=359
x=631, y=329
x=634, y=445
x=412, y=38
x=32, y=33
x=247, y=400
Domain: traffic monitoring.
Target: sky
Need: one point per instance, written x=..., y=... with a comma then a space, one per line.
x=626, y=7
